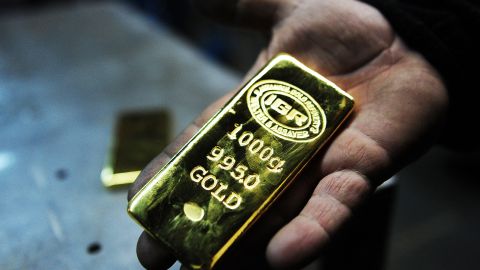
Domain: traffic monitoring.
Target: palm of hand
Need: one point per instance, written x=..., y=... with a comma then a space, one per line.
x=399, y=96
x=399, y=102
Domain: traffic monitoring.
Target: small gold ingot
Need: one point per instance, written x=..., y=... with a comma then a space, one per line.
x=138, y=138
x=240, y=161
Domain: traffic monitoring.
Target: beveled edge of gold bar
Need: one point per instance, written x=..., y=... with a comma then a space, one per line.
x=134, y=209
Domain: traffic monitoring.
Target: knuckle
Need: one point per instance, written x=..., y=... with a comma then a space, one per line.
x=347, y=186
x=361, y=153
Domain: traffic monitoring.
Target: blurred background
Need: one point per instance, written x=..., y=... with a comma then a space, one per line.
x=68, y=69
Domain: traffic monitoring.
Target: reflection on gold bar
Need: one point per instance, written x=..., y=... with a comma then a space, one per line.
x=138, y=138
x=228, y=174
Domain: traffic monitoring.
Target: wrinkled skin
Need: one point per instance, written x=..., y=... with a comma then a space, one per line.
x=400, y=103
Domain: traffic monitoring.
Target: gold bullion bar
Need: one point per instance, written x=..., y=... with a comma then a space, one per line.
x=238, y=163
x=139, y=136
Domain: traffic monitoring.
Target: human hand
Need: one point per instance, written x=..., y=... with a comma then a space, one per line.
x=400, y=103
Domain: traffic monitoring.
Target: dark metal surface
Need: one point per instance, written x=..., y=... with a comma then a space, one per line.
x=65, y=73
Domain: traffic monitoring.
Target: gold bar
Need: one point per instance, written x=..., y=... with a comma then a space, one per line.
x=138, y=137
x=228, y=174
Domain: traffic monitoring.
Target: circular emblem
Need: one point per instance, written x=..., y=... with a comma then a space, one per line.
x=286, y=111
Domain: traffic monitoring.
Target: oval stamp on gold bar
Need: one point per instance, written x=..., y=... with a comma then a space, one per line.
x=286, y=111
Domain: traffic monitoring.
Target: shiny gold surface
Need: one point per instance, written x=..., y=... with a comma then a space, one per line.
x=138, y=138
x=228, y=174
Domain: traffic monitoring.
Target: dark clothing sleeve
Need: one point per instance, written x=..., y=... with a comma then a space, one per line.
x=446, y=33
